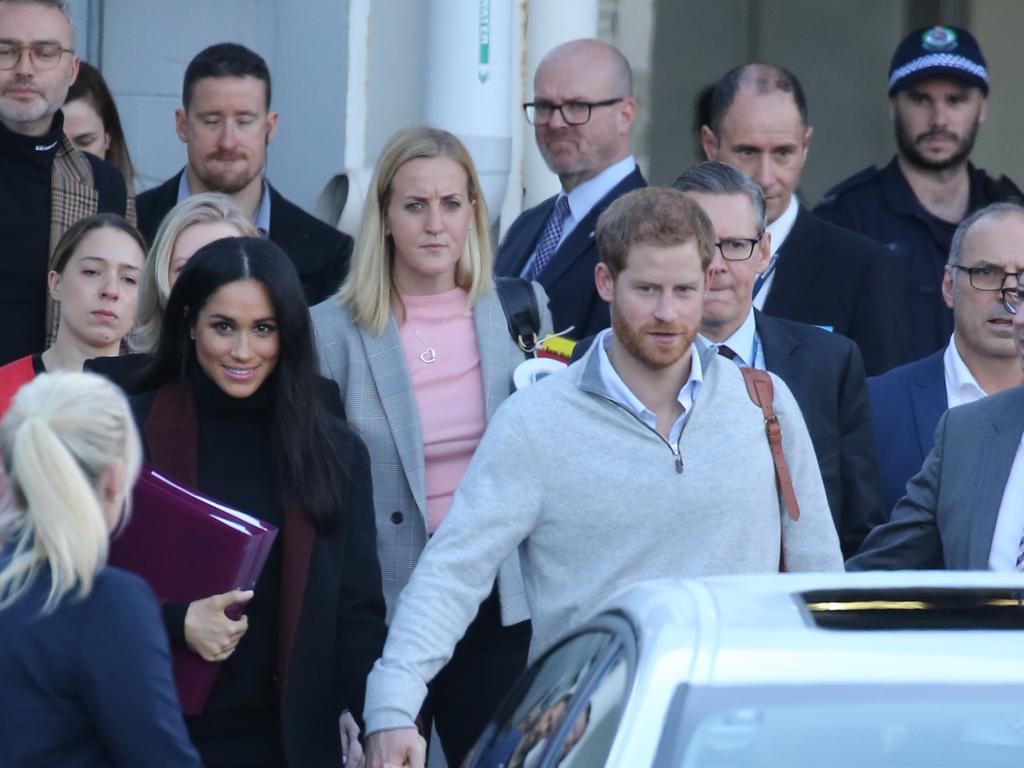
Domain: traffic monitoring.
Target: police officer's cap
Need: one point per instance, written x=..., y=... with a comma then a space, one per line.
x=938, y=52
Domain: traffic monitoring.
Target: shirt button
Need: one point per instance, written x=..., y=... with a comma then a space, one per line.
x=397, y=518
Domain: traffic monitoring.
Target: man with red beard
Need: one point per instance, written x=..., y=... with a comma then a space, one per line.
x=645, y=459
x=823, y=370
x=226, y=124
x=938, y=86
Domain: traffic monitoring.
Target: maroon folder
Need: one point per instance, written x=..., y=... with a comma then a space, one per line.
x=187, y=547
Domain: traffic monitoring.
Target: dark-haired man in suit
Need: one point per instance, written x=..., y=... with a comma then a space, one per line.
x=818, y=273
x=226, y=123
x=582, y=112
x=823, y=370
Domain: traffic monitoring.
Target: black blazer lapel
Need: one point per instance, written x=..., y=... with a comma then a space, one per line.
x=777, y=346
x=797, y=268
x=521, y=240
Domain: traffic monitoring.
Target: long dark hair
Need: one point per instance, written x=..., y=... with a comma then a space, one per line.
x=92, y=88
x=307, y=472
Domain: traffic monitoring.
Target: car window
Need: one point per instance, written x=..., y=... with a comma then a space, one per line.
x=590, y=726
x=519, y=734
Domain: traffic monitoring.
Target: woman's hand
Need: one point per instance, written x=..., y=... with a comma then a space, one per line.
x=351, y=749
x=209, y=632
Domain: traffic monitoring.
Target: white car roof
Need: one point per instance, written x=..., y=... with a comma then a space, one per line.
x=773, y=629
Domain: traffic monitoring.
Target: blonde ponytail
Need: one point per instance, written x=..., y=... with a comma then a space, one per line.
x=61, y=433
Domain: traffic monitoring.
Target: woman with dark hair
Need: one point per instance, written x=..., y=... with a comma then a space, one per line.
x=95, y=284
x=92, y=124
x=236, y=410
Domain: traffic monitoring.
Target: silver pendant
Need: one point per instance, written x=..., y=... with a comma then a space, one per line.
x=428, y=355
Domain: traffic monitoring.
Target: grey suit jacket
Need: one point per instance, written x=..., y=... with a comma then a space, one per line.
x=380, y=405
x=948, y=517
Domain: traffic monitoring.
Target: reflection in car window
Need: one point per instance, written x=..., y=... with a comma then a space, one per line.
x=587, y=742
x=540, y=705
x=850, y=728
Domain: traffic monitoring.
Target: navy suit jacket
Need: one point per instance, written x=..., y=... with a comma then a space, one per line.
x=829, y=276
x=89, y=685
x=906, y=405
x=568, y=278
x=826, y=376
x=319, y=252
x=948, y=518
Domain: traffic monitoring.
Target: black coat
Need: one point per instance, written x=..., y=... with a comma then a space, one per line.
x=332, y=606
x=831, y=277
x=319, y=252
x=569, y=277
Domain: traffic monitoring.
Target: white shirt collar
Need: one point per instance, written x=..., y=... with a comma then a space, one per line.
x=782, y=226
x=624, y=396
x=961, y=386
x=743, y=342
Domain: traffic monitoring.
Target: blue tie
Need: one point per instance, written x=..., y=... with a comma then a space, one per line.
x=549, y=238
x=1020, y=555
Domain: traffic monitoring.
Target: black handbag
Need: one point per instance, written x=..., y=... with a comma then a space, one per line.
x=521, y=310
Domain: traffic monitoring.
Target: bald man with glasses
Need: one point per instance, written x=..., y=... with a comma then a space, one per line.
x=582, y=112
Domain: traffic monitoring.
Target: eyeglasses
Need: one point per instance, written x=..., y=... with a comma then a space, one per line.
x=573, y=112
x=738, y=248
x=44, y=56
x=1012, y=298
x=989, y=278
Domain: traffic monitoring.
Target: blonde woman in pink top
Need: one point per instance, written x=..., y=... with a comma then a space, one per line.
x=417, y=340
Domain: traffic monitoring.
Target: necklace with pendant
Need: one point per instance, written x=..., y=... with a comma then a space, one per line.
x=429, y=354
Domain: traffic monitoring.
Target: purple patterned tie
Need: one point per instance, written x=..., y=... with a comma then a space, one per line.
x=1020, y=555
x=549, y=238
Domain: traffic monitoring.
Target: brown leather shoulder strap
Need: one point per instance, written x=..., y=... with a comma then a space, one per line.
x=759, y=386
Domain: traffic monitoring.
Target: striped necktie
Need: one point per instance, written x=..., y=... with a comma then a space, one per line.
x=549, y=238
x=1020, y=556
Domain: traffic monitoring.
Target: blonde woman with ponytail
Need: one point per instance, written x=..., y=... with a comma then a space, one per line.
x=84, y=661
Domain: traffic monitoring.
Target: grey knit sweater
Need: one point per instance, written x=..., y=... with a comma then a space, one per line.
x=595, y=500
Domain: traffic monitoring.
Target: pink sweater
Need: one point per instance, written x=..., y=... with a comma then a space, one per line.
x=449, y=391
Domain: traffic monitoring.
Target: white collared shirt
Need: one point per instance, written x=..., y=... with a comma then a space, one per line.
x=744, y=342
x=1010, y=520
x=779, y=230
x=624, y=396
x=961, y=386
x=586, y=195
x=262, y=218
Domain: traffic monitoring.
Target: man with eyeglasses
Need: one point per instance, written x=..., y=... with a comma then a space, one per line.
x=582, y=112
x=818, y=273
x=964, y=510
x=46, y=185
x=823, y=370
x=980, y=286
x=938, y=99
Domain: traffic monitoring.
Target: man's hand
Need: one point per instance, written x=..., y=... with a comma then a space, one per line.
x=400, y=748
x=351, y=749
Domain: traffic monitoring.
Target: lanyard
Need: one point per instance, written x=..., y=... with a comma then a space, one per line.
x=763, y=277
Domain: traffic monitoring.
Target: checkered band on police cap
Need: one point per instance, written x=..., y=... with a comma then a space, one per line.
x=938, y=52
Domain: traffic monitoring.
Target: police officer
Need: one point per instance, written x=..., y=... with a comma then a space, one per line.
x=938, y=84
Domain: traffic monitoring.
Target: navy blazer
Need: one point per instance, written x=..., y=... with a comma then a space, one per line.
x=906, y=405
x=89, y=685
x=568, y=278
x=319, y=252
x=947, y=519
x=832, y=277
x=826, y=376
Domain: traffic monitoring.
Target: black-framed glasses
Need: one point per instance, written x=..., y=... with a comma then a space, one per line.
x=1012, y=298
x=573, y=112
x=738, y=248
x=987, y=278
x=44, y=56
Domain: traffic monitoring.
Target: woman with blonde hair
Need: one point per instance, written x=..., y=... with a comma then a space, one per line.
x=191, y=224
x=83, y=656
x=419, y=345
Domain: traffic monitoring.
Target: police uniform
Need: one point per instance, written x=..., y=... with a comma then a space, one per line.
x=880, y=204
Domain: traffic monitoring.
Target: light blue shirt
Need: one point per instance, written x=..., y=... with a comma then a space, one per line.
x=745, y=343
x=588, y=194
x=262, y=217
x=624, y=396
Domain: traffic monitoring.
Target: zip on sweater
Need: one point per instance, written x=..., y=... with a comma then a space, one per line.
x=645, y=425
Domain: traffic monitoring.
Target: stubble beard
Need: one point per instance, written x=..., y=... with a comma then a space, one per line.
x=636, y=343
x=908, y=148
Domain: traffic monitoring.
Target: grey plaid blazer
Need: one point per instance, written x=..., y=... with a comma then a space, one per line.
x=380, y=405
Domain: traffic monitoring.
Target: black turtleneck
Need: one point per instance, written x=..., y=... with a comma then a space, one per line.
x=236, y=466
x=26, y=171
